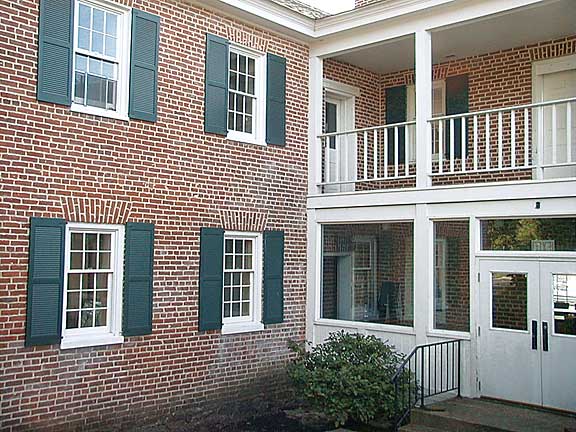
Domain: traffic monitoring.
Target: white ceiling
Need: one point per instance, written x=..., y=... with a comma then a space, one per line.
x=517, y=28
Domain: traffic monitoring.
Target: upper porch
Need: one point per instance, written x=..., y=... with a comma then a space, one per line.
x=485, y=100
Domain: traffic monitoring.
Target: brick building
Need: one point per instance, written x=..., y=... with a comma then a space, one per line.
x=185, y=186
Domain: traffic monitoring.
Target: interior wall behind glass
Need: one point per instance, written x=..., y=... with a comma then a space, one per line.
x=367, y=273
x=452, y=275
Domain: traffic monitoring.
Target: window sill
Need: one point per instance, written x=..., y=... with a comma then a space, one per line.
x=90, y=341
x=242, y=327
x=98, y=112
x=244, y=138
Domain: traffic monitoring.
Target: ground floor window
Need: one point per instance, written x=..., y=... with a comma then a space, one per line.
x=451, y=275
x=368, y=273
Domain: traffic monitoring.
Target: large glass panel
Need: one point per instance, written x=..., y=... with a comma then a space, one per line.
x=510, y=301
x=451, y=275
x=564, y=289
x=368, y=273
x=551, y=234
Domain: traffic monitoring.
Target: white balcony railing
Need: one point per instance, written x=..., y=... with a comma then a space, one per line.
x=539, y=135
x=537, y=139
x=371, y=154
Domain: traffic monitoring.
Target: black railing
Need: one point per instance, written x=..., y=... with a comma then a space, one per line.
x=428, y=370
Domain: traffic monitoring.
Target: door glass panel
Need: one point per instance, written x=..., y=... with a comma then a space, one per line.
x=510, y=300
x=564, y=289
x=331, y=122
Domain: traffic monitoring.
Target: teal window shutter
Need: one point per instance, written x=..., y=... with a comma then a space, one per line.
x=55, y=50
x=138, y=279
x=211, y=278
x=216, y=85
x=456, y=103
x=273, y=277
x=275, y=100
x=144, y=66
x=396, y=113
x=45, y=281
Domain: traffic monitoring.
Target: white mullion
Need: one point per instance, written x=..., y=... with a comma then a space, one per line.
x=569, y=132
x=513, y=137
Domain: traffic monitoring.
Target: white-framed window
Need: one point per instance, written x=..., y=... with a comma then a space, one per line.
x=101, y=58
x=246, y=95
x=93, y=270
x=242, y=295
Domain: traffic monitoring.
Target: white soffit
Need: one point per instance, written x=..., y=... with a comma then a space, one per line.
x=494, y=33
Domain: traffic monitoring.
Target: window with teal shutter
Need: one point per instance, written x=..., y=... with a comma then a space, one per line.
x=45, y=281
x=55, y=50
x=276, y=100
x=211, y=278
x=273, y=277
x=144, y=66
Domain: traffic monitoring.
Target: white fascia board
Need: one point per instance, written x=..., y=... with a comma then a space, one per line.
x=525, y=189
x=266, y=13
x=381, y=25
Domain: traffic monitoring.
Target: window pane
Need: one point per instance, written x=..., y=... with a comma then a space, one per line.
x=233, y=81
x=246, y=293
x=242, y=63
x=101, y=298
x=251, y=66
x=88, y=281
x=245, y=309
x=79, y=87
x=87, y=319
x=102, y=281
x=73, y=300
x=98, y=20
x=84, y=39
x=77, y=242
x=91, y=241
x=87, y=299
x=558, y=234
x=251, y=85
x=90, y=262
x=84, y=16
x=233, y=61
x=111, y=24
x=235, y=309
x=231, y=121
x=97, y=43
x=100, y=318
x=248, y=124
x=228, y=262
x=111, y=95
x=104, y=260
x=235, y=294
x=451, y=276
x=72, y=320
x=74, y=281
x=510, y=301
x=231, y=101
x=110, y=46
x=96, y=91
x=239, y=123
x=227, y=294
x=81, y=63
x=249, y=105
x=240, y=103
x=76, y=260
x=236, y=278
x=564, y=289
x=378, y=286
x=239, y=246
x=242, y=83
x=226, y=310
x=105, y=242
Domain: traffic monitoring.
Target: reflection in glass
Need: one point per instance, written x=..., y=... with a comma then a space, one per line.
x=510, y=301
x=564, y=291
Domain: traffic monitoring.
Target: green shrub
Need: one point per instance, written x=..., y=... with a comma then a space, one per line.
x=347, y=377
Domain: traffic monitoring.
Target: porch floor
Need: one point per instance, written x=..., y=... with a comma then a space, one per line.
x=487, y=415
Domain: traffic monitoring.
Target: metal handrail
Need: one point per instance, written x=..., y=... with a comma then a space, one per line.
x=416, y=378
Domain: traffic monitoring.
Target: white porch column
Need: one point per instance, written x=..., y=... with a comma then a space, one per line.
x=423, y=54
x=423, y=272
x=314, y=124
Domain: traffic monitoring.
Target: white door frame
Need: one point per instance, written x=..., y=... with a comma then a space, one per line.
x=344, y=97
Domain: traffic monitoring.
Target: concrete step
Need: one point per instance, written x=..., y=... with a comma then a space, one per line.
x=479, y=415
x=420, y=428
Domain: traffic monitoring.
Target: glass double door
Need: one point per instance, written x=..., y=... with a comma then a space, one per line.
x=527, y=332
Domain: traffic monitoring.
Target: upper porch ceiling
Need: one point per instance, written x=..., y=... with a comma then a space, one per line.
x=520, y=27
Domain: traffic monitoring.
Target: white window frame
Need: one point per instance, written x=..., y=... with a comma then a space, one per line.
x=123, y=58
x=254, y=321
x=258, y=135
x=110, y=334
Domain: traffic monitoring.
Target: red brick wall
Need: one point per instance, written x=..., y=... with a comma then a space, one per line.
x=56, y=163
x=496, y=80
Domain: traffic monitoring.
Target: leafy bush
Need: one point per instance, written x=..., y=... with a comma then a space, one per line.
x=347, y=377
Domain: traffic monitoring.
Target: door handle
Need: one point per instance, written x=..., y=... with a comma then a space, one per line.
x=534, y=334
x=544, y=336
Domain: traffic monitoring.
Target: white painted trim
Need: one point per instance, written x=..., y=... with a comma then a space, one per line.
x=315, y=110
x=258, y=135
x=112, y=333
x=360, y=325
x=123, y=59
x=423, y=71
x=254, y=321
x=341, y=88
